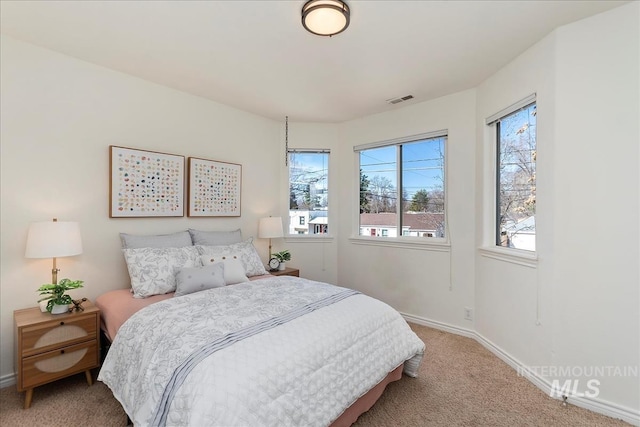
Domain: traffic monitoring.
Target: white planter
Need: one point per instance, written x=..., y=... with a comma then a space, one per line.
x=59, y=309
x=281, y=266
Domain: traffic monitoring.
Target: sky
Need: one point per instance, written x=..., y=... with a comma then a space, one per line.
x=422, y=161
x=423, y=164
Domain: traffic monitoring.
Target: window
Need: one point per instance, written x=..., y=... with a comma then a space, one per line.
x=516, y=179
x=308, y=192
x=402, y=187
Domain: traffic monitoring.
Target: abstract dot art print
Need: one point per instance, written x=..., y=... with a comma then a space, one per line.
x=214, y=188
x=145, y=183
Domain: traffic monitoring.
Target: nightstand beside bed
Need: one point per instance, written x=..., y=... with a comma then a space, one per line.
x=286, y=272
x=51, y=347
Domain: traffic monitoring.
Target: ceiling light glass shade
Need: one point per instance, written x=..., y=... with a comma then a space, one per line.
x=52, y=239
x=325, y=17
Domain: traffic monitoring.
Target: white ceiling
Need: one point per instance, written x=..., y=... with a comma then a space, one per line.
x=256, y=56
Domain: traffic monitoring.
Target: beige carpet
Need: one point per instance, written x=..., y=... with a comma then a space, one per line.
x=460, y=384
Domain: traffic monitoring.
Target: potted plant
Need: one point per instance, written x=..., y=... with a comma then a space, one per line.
x=58, y=300
x=282, y=256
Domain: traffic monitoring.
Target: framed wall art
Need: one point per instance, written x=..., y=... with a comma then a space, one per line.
x=145, y=183
x=214, y=188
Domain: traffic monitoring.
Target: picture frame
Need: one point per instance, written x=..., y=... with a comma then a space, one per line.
x=214, y=187
x=145, y=184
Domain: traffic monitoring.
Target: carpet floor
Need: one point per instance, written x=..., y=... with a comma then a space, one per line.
x=460, y=383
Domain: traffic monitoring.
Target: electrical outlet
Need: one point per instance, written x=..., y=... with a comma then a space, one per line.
x=468, y=313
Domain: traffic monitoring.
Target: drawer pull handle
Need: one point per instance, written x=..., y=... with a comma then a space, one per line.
x=61, y=323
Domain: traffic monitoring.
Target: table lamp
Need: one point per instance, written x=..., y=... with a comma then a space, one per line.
x=53, y=239
x=270, y=228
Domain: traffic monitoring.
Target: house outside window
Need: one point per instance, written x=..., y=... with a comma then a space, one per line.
x=516, y=179
x=308, y=192
x=402, y=187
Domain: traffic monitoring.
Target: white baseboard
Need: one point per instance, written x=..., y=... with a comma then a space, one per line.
x=7, y=380
x=596, y=405
x=439, y=325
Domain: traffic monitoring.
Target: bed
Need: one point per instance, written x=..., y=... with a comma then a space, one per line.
x=272, y=351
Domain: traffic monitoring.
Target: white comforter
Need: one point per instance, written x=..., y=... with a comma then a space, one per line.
x=303, y=372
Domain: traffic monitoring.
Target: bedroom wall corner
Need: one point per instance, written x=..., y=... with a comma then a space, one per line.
x=578, y=309
x=316, y=256
x=59, y=116
x=433, y=284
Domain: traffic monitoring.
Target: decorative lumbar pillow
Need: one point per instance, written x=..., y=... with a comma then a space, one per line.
x=174, y=240
x=246, y=253
x=153, y=270
x=195, y=279
x=215, y=238
x=233, y=269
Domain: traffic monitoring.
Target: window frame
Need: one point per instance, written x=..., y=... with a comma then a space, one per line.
x=309, y=237
x=497, y=233
x=489, y=248
x=441, y=244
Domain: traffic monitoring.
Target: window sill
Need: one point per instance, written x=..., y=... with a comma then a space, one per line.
x=513, y=256
x=308, y=238
x=406, y=243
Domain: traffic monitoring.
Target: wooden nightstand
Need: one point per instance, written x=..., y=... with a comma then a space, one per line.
x=286, y=272
x=54, y=346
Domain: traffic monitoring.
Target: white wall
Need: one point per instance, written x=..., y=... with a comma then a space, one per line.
x=508, y=309
x=596, y=277
x=317, y=256
x=59, y=116
x=585, y=288
x=428, y=283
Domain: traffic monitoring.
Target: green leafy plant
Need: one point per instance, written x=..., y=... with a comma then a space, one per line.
x=283, y=255
x=56, y=293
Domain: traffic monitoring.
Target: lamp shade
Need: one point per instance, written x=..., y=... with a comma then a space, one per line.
x=325, y=17
x=52, y=239
x=271, y=227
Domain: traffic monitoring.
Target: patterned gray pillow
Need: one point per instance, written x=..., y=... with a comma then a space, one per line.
x=195, y=279
x=153, y=270
x=215, y=238
x=245, y=251
x=174, y=240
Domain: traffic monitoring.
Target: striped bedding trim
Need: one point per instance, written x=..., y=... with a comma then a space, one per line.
x=183, y=370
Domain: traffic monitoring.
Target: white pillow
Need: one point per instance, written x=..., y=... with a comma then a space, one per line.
x=245, y=251
x=195, y=279
x=153, y=270
x=233, y=270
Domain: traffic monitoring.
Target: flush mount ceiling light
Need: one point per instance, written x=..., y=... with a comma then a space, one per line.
x=325, y=17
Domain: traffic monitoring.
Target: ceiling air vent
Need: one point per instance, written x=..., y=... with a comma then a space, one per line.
x=400, y=99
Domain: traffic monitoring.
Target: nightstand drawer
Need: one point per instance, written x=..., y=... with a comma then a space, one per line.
x=50, y=347
x=55, y=364
x=58, y=333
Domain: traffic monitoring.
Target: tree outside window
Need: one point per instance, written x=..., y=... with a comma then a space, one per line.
x=516, y=179
x=416, y=168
